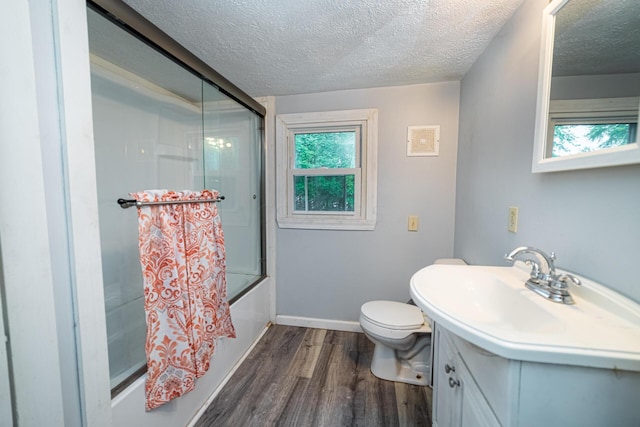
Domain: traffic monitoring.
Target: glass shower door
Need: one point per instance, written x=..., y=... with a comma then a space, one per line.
x=147, y=121
x=233, y=166
x=157, y=125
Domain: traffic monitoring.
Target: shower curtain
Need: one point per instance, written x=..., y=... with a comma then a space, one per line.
x=183, y=265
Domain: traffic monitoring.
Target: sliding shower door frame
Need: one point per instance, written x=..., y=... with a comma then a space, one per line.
x=123, y=15
x=137, y=25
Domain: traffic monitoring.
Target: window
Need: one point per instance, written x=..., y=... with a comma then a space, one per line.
x=585, y=126
x=570, y=137
x=326, y=165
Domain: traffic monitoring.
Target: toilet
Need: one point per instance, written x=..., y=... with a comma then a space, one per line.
x=401, y=334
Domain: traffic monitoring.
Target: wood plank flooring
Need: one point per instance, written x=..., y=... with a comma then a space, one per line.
x=315, y=377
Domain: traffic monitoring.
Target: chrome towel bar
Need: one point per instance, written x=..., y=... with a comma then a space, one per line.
x=127, y=203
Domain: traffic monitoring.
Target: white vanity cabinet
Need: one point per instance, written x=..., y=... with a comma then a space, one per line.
x=474, y=387
x=458, y=400
x=504, y=356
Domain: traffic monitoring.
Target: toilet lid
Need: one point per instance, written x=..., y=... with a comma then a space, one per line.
x=394, y=315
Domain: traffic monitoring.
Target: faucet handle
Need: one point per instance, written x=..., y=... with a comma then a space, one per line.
x=535, y=268
x=571, y=277
x=561, y=281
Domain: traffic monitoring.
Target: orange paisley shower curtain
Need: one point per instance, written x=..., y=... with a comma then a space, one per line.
x=185, y=293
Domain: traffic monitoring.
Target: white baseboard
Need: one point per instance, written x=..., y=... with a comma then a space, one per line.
x=310, y=322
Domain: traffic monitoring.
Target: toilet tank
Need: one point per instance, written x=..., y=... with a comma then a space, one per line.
x=450, y=261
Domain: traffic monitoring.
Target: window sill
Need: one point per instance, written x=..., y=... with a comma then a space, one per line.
x=327, y=223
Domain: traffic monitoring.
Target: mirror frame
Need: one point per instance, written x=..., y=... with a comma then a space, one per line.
x=623, y=155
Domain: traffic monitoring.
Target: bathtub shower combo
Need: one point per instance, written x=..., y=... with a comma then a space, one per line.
x=158, y=125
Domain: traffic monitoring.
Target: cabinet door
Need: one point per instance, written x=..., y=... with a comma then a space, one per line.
x=457, y=399
x=447, y=408
x=475, y=410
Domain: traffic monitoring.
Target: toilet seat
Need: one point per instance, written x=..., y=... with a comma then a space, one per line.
x=392, y=320
x=392, y=315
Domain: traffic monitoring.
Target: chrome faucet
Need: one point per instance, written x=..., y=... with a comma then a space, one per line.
x=543, y=279
x=542, y=269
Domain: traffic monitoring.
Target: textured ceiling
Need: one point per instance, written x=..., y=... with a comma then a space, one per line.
x=281, y=47
x=597, y=37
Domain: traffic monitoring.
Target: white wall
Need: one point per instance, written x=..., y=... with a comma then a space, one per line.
x=25, y=264
x=589, y=218
x=330, y=274
x=52, y=146
x=46, y=140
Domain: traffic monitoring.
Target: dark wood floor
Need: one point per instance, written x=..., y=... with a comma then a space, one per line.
x=315, y=377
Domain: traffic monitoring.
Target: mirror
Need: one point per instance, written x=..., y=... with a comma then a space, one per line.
x=589, y=85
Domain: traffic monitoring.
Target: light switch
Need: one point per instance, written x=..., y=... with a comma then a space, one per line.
x=413, y=223
x=513, y=219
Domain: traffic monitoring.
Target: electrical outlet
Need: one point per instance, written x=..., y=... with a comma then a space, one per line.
x=413, y=223
x=513, y=219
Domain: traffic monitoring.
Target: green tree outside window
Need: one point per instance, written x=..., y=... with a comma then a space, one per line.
x=325, y=150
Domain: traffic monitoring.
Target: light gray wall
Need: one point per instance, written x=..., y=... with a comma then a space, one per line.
x=330, y=274
x=598, y=86
x=590, y=218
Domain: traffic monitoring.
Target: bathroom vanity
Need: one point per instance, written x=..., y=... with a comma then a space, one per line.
x=504, y=356
x=474, y=387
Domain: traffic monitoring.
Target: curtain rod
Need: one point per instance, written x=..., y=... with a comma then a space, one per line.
x=128, y=203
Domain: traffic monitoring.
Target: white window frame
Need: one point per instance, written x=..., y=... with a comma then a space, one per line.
x=589, y=112
x=363, y=216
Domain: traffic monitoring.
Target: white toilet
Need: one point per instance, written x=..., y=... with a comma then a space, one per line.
x=401, y=334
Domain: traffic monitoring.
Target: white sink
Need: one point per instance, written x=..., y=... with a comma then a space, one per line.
x=491, y=308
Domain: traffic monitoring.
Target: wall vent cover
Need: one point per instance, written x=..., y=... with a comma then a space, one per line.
x=423, y=141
